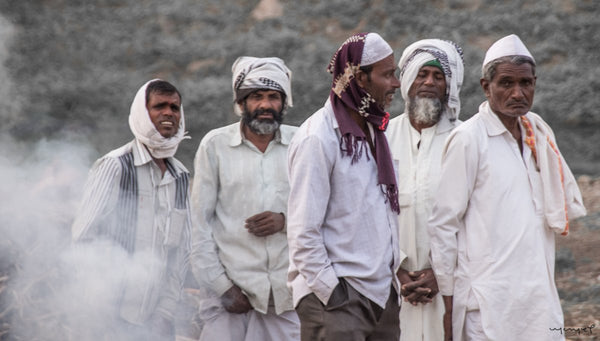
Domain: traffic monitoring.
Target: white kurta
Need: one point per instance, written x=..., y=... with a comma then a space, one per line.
x=490, y=246
x=418, y=156
x=233, y=181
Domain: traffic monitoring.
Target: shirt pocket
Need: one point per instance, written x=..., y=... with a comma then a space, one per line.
x=178, y=222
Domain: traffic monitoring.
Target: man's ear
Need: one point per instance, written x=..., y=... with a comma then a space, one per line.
x=485, y=85
x=361, y=78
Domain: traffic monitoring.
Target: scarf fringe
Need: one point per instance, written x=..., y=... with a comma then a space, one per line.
x=354, y=147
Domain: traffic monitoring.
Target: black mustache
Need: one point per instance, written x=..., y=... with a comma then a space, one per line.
x=258, y=112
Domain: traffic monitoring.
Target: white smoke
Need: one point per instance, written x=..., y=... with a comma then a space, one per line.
x=55, y=290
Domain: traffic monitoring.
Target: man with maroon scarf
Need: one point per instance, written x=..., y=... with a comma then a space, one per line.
x=342, y=223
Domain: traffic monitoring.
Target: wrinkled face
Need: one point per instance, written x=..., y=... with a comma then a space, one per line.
x=429, y=83
x=381, y=83
x=165, y=112
x=511, y=91
x=263, y=111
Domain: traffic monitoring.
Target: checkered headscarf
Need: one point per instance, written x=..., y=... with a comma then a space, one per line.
x=251, y=74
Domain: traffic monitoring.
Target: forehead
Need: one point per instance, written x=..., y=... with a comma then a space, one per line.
x=430, y=69
x=385, y=64
x=266, y=92
x=510, y=70
x=158, y=97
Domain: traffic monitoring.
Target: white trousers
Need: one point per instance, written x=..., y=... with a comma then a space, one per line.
x=252, y=326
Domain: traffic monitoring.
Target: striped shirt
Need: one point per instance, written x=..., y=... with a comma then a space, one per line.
x=127, y=201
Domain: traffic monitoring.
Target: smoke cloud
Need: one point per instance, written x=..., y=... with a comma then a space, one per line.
x=52, y=289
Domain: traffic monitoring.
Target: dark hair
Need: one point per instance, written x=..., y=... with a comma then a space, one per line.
x=489, y=70
x=161, y=87
x=367, y=69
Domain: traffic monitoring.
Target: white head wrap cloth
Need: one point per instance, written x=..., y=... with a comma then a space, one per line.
x=510, y=45
x=250, y=73
x=450, y=57
x=144, y=130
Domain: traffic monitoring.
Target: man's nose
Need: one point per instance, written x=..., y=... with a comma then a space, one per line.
x=395, y=82
x=517, y=92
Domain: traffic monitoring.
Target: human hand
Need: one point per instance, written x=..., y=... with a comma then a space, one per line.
x=265, y=223
x=418, y=286
x=234, y=301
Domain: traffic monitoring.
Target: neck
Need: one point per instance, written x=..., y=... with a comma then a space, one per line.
x=161, y=163
x=259, y=140
x=512, y=125
x=362, y=123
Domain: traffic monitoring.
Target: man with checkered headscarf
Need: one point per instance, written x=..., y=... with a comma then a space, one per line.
x=431, y=74
x=342, y=226
x=239, y=202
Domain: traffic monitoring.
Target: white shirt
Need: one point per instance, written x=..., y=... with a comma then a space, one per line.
x=162, y=230
x=233, y=181
x=419, y=158
x=339, y=223
x=490, y=246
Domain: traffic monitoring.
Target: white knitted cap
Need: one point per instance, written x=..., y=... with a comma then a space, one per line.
x=510, y=45
x=375, y=49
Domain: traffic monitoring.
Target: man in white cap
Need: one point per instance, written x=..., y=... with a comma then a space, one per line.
x=137, y=198
x=342, y=223
x=505, y=190
x=239, y=200
x=431, y=75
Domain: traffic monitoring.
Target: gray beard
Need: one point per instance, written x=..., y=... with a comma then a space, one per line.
x=262, y=127
x=424, y=110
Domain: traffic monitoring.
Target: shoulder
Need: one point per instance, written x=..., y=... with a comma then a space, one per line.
x=221, y=135
x=395, y=126
x=286, y=133
x=468, y=133
x=319, y=125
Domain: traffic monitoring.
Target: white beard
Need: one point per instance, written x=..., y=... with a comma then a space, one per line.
x=263, y=127
x=424, y=110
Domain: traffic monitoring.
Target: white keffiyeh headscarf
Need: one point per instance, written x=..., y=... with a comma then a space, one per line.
x=144, y=130
x=450, y=57
x=251, y=73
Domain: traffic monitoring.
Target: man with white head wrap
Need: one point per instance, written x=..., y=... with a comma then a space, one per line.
x=343, y=203
x=239, y=198
x=505, y=190
x=137, y=197
x=431, y=75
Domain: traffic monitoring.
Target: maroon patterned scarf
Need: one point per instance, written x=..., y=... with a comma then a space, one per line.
x=345, y=91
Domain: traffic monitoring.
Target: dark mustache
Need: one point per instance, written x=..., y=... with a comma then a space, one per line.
x=258, y=112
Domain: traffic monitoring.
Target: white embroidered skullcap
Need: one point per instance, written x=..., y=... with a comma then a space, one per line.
x=375, y=49
x=510, y=45
x=251, y=74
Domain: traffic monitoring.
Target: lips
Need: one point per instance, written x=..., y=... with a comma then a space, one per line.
x=167, y=124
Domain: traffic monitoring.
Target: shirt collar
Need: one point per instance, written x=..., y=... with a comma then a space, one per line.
x=491, y=121
x=141, y=156
x=237, y=137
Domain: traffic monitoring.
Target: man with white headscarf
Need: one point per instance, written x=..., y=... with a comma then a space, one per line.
x=136, y=197
x=505, y=190
x=239, y=198
x=431, y=75
x=342, y=226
